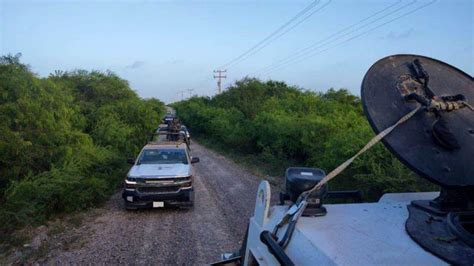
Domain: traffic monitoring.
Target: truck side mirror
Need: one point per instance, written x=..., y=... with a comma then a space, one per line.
x=195, y=160
x=131, y=161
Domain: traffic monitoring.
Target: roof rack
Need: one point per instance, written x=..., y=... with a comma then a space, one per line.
x=170, y=138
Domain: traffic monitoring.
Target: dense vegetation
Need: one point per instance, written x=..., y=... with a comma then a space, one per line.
x=285, y=126
x=64, y=139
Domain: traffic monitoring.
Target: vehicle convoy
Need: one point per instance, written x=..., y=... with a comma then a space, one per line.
x=419, y=108
x=162, y=174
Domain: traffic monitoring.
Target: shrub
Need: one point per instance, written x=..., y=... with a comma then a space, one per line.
x=283, y=125
x=64, y=140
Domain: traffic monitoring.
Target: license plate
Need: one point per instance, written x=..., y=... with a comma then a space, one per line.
x=158, y=204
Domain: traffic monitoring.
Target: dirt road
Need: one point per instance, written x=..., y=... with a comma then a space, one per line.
x=224, y=201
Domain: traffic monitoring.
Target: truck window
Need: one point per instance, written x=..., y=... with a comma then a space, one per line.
x=163, y=156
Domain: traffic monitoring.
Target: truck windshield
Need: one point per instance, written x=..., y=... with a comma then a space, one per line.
x=163, y=156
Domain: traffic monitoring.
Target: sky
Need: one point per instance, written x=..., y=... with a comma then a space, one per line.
x=164, y=47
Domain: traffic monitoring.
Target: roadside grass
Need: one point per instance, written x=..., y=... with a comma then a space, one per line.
x=254, y=164
x=273, y=173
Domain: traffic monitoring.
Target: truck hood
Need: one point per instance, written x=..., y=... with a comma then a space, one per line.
x=159, y=170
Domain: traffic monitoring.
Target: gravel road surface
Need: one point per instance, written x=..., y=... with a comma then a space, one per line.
x=224, y=201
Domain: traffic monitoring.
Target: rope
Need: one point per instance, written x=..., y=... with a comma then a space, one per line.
x=371, y=143
x=300, y=204
x=448, y=106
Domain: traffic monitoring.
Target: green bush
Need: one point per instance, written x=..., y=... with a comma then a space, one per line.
x=64, y=140
x=37, y=198
x=282, y=126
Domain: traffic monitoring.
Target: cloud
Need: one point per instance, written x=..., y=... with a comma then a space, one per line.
x=393, y=35
x=136, y=64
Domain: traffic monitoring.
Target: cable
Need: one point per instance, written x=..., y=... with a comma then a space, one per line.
x=335, y=36
x=331, y=36
x=283, y=33
x=299, y=14
x=354, y=37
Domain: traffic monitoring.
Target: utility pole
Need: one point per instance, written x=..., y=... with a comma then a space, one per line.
x=182, y=94
x=219, y=77
x=190, y=91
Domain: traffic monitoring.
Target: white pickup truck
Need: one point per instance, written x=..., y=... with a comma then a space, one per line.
x=161, y=176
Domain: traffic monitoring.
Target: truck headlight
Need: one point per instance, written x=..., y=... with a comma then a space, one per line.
x=130, y=185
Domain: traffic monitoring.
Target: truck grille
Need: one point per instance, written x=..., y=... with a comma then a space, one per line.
x=168, y=189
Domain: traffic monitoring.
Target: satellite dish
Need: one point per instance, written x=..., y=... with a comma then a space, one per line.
x=437, y=146
x=437, y=143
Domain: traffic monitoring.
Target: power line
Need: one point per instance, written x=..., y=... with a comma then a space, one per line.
x=281, y=34
x=336, y=36
x=333, y=35
x=294, y=58
x=269, y=37
x=299, y=14
x=354, y=37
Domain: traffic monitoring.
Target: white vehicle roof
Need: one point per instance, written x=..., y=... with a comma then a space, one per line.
x=361, y=234
x=349, y=234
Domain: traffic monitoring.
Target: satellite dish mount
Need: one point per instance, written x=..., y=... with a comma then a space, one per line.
x=437, y=143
